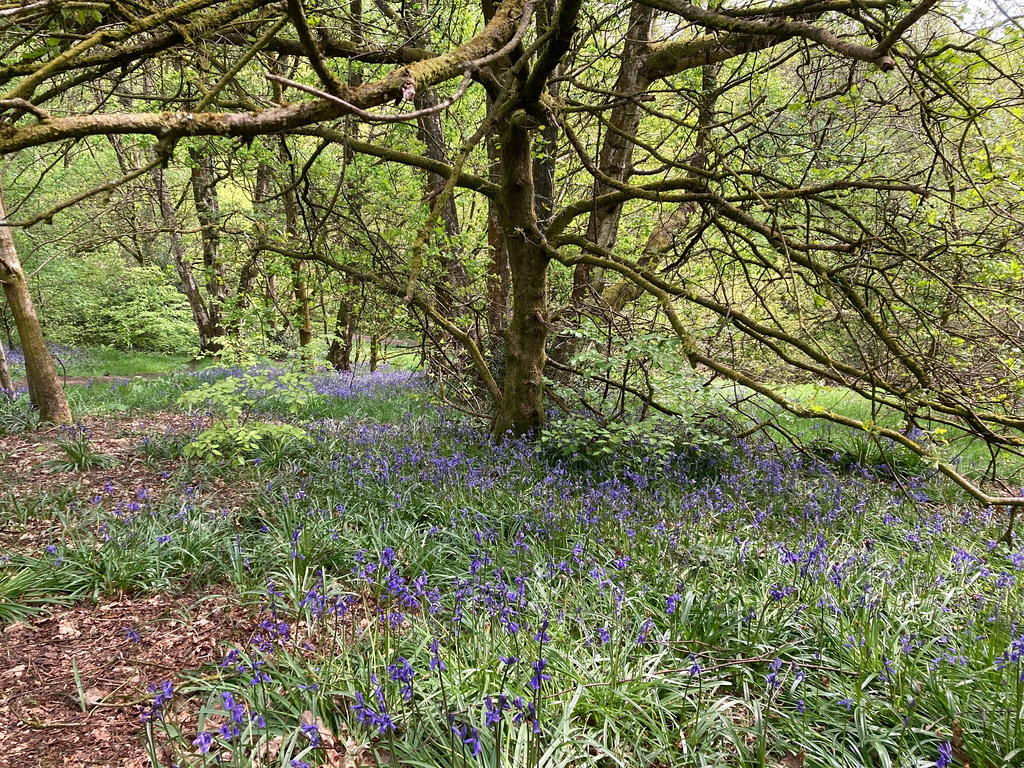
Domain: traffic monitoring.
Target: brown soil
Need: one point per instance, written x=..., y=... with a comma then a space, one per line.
x=48, y=719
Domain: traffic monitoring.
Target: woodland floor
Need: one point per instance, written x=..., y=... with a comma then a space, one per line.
x=72, y=682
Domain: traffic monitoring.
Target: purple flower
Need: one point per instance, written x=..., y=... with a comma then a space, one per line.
x=539, y=675
x=236, y=710
x=435, y=658
x=204, y=741
x=494, y=710
x=945, y=758
x=310, y=731
x=161, y=695
x=542, y=636
x=402, y=672
x=469, y=736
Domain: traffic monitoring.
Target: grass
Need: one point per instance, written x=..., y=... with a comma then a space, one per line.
x=106, y=361
x=424, y=594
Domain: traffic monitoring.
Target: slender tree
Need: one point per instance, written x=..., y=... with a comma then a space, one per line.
x=44, y=388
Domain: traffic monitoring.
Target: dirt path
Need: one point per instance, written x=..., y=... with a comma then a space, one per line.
x=74, y=381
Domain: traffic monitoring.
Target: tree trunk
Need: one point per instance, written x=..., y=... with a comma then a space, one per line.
x=499, y=280
x=189, y=285
x=340, y=353
x=663, y=237
x=374, y=351
x=44, y=388
x=6, y=385
x=616, y=159
x=302, y=315
x=522, y=404
x=304, y=320
x=250, y=270
x=204, y=193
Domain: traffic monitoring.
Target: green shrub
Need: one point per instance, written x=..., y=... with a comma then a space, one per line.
x=101, y=300
x=232, y=436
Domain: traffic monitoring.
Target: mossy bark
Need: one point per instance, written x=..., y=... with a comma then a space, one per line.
x=5, y=372
x=207, y=202
x=340, y=353
x=522, y=404
x=44, y=388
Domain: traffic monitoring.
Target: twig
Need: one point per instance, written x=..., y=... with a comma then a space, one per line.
x=26, y=106
x=162, y=152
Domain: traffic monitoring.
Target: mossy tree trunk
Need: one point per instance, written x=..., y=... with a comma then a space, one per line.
x=207, y=202
x=302, y=318
x=522, y=404
x=5, y=372
x=44, y=388
x=374, y=352
x=340, y=353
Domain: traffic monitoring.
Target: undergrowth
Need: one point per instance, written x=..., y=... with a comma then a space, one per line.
x=426, y=597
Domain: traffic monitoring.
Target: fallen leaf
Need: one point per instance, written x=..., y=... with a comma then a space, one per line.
x=269, y=750
x=94, y=696
x=793, y=759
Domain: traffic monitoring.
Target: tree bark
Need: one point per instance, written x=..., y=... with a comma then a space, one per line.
x=374, y=351
x=499, y=279
x=44, y=388
x=303, y=318
x=250, y=270
x=340, y=353
x=204, y=193
x=616, y=159
x=663, y=237
x=6, y=384
x=522, y=405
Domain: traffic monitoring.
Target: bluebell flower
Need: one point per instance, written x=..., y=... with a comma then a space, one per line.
x=311, y=732
x=204, y=741
x=435, y=657
x=539, y=676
